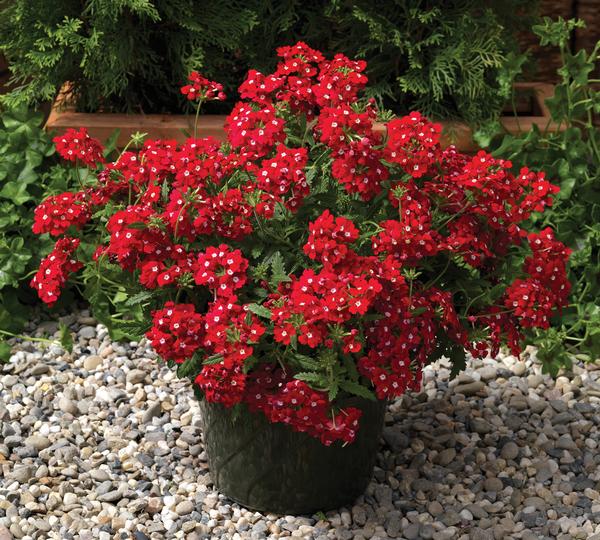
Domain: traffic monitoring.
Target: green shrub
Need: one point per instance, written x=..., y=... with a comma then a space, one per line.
x=452, y=59
x=125, y=55
x=571, y=158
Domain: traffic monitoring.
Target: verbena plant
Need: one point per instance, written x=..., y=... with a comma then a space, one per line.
x=569, y=152
x=452, y=61
x=311, y=257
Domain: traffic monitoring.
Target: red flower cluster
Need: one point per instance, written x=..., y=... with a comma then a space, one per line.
x=56, y=214
x=254, y=131
x=54, y=270
x=307, y=410
x=310, y=254
x=328, y=239
x=201, y=89
x=413, y=143
x=282, y=178
x=317, y=301
x=534, y=298
x=177, y=331
x=222, y=270
x=76, y=145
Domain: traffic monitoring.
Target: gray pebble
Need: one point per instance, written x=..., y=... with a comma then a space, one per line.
x=509, y=451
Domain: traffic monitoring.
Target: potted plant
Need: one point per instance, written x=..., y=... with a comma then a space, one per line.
x=303, y=272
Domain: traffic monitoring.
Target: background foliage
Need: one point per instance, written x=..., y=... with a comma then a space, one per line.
x=28, y=172
x=570, y=156
x=453, y=59
x=120, y=54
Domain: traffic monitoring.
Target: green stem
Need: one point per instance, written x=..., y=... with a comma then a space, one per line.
x=29, y=338
x=196, y=119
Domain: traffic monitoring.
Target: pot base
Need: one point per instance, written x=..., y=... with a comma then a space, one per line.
x=270, y=468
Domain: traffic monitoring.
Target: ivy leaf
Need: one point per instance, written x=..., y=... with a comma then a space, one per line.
x=65, y=337
x=16, y=191
x=259, y=310
x=357, y=389
x=566, y=188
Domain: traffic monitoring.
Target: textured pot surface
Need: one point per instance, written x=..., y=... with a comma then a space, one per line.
x=269, y=467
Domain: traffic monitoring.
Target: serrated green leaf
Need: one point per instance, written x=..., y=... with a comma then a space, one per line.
x=310, y=377
x=65, y=337
x=357, y=389
x=278, y=272
x=333, y=391
x=306, y=362
x=212, y=360
x=259, y=310
x=139, y=298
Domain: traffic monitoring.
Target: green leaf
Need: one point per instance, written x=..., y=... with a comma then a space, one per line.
x=278, y=273
x=333, y=390
x=16, y=191
x=138, y=225
x=312, y=378
x=357, y=389
x=566, y=188
x=191, y=367
x=212, y=360
x=139, y=298
x=259, y=310
x=457, y=356
x=306, y=362
x=5, y=351
x=65, y=337
x=111, y=143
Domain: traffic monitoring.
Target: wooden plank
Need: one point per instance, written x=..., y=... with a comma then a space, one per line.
x=174, y=127
x=157, y=126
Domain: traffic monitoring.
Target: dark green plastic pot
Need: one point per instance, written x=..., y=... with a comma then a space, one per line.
x=270, y=468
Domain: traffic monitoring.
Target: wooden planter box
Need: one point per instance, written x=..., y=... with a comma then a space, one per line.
x=164, y=126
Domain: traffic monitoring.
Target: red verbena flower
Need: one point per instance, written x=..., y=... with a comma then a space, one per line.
x=77, y=145
x=59, y=212
x=201, y=89
x=221, y=269
x=177, y=331
x=54, y=270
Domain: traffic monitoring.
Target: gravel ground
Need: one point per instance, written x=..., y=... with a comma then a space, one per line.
x=105, y=443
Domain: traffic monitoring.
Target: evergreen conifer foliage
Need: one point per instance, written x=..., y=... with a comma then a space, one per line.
x=451, y=59
x=124, y=55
